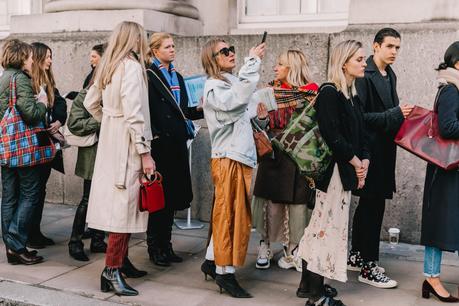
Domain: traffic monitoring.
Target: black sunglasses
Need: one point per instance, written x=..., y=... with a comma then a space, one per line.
x=226, y=51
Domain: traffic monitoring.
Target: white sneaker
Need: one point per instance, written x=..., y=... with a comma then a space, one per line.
x=371, y=274
x=290, y=261
x=264, y=256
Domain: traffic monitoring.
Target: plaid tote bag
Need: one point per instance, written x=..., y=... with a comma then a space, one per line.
x=22, y=145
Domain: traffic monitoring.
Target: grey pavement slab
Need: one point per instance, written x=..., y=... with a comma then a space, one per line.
x=60, y=280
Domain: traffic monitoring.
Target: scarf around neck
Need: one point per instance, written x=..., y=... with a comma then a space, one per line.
x=171, y=78
x=448, y=75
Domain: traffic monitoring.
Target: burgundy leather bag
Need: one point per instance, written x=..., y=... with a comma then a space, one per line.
x=151, y=197
x=419, y=134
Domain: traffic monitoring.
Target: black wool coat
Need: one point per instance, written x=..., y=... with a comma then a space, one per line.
x=341, y=125
x=169, y=150
x=440, y=209
x=58, y=112
x=383, y=118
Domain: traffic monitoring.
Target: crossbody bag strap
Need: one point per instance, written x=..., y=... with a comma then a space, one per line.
x=167, y=89
x=440, y=89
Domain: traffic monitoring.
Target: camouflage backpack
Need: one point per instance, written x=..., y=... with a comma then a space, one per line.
x=301, y=140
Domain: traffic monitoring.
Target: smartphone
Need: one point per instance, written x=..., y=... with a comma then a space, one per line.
x=264, y=37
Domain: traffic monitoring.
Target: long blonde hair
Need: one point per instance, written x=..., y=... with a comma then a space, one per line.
x=339, y=56
x=125, y=38
x=209, y=61
x=156, y=39
x=40, y=76
x=298, y=72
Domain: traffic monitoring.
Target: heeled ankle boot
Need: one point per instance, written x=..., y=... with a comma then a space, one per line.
x=208, y=267
x=303, y=289
x=76, y=251
x=111, y=279
x=98, y=244
x=130, y=271
x=230, y=284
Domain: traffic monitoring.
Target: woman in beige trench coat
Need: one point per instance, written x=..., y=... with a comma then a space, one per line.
x=123, y=151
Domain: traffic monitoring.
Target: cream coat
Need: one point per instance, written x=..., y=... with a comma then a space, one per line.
x=125, y=134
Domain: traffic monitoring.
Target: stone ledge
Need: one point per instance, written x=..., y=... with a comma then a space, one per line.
x=88, y=21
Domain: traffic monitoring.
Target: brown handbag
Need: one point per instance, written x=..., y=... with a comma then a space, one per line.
x=151, y=197
x=262, y=141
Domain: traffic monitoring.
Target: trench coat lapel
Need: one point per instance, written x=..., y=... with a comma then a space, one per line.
x=378, y=81
x=166, y=92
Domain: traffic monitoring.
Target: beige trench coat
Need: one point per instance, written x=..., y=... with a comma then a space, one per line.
x=125, y=134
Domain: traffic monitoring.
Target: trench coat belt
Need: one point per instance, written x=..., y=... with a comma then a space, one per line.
x=112, y=113
x=123, y=150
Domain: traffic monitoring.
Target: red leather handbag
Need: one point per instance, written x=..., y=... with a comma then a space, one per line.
x=419, y=134
x=151, y=197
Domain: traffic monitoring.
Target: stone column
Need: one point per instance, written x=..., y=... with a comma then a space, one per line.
x=173, y=16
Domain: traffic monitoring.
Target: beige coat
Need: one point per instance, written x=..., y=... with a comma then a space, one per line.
x=125, y=134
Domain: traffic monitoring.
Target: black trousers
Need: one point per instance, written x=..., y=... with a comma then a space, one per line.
x=312, y=283
x=34, y=229
x=366, y=227
x=159, y=231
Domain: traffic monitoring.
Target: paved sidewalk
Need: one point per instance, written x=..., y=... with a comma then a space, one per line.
x=60, y=280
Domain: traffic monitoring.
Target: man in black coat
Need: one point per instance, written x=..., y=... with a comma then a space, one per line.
x=383, y=117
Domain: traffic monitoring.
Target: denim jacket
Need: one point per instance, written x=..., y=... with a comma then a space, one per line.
x=228, y=107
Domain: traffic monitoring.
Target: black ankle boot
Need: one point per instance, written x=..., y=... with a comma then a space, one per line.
x=158, y=257
x=98, y=244
x=111, y=279
x=303, y=289
x=230, y=284
x=76, y=251
x=324, y=301
x=130, y=271
x=171, y=256
x=208, y=268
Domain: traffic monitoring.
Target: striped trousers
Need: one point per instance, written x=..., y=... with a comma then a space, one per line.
x=117, y=249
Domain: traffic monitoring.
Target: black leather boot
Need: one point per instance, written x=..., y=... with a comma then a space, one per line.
x=158, y=257
x=230, y=284
x=76, y=251
x=208, y=268
x=171, y=256
x=98, y=244
x=111, y=279
x=130, y=271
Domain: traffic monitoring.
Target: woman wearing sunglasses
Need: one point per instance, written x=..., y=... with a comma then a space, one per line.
x=228, y=110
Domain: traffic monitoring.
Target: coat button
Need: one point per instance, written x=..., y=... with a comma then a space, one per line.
x=162, y=99
x=168, y=116
x=142, y=138
x=167, y=134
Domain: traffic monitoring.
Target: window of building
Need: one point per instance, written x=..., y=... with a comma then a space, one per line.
x=9, y=8
x=278, y=14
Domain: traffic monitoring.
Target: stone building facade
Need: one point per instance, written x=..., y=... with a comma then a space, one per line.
x=72, y=27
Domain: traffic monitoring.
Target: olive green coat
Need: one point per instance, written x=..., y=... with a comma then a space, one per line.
x=31, y=111
x=81, y=123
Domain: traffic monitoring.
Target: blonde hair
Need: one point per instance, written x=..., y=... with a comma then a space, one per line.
x=156, y=39
x=298, y=73
x=124, y=39
x=40, y=76
x=15, y=53
x=340, y=55
x=209, y=61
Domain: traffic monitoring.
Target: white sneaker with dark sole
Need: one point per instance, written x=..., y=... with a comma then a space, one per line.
x=264, y=256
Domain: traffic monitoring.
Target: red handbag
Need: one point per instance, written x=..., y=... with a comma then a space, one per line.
x=419, y=134
x=151, y=197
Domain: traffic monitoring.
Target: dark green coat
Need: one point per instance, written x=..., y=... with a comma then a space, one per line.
x=81, y=123
x=31, y=111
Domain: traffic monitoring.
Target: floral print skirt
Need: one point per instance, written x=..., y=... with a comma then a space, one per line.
x=325, y=241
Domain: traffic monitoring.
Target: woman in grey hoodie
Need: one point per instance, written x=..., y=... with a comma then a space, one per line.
x=228, y=107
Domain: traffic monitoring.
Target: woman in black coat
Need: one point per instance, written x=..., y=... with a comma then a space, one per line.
x=440, y=210
x=43, y=84
x=168, y=107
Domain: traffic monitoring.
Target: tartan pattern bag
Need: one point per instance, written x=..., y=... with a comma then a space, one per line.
x=22, y=145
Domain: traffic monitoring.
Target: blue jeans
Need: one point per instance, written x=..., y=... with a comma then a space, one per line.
x=20, y=196
x=432, y=261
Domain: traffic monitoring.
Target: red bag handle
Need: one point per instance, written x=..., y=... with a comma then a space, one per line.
x=158, y=177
